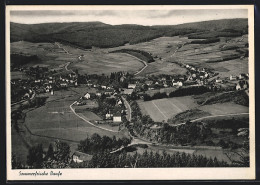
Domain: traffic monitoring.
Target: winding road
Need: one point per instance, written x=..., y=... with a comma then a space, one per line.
x=73, y=110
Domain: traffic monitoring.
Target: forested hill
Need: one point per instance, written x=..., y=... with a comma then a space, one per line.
x=98, y=34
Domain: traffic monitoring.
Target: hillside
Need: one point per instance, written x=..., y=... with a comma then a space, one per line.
x=103, y=35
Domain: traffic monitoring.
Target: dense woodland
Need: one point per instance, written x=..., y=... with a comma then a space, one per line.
x=57, y=156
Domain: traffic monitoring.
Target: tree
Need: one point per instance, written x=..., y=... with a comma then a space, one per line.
x=15, y=163
x=35, y=156
x=50, y=153
x=62, y=153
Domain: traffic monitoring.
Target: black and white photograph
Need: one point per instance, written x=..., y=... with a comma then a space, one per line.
x=130, y=92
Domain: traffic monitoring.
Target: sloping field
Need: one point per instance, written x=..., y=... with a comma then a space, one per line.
x=223, y=56
x=55, y=119
x=224, y=108
x=166, y=108
x=49, y=53
x=95, y=63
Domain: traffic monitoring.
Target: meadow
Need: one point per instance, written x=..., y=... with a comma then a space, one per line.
x=164, y=109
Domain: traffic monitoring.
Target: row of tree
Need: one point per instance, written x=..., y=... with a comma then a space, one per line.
x=149, y=159
x=96, y=144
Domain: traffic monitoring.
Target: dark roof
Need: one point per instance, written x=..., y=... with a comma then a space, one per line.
x=109, y=90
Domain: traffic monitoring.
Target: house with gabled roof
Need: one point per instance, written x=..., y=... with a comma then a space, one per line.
x=79, y=157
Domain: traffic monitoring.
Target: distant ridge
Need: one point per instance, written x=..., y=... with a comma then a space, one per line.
x=98, y=34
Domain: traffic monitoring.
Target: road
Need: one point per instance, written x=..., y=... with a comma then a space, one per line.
x=129, y=110
x=84, y=119
x=145, y=63
x=22, y=101
x=62, y=48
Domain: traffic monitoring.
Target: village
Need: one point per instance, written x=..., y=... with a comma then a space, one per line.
x=103, y=93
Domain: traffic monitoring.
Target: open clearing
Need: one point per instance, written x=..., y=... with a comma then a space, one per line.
x=166, y=108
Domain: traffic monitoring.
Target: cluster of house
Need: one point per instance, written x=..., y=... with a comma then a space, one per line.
x=51, y=83
x=198, y=75
x=27, y=89
x=115, y=115
x=241, y=81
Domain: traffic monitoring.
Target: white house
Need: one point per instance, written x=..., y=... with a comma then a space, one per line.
x=119, y=102
x=231, y=77
x=131, y=86
x=117, y=117
x=87, y=96
x=218, y=80
x=109, y=115
x=79, y=157
x=103, y=86
x=238, y=87
x=179, y=83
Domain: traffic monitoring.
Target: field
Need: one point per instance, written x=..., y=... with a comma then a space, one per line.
x=94, y=61
x=214, y=55
x=164, y=109
x=224, y=108
x=55, y=121
x=160, y=48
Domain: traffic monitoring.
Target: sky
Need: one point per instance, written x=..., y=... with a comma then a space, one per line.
x=116, y=17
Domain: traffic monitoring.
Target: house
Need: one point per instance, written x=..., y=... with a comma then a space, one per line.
x=231, y=77
x=127, y=91
x=98, y=93
x=243, y=76
x=122, y=79
x=79, y=157
x=238, y=87
x=119, y=102
x=156, y=127
x=103, y=86
x=109, y=91
x=148, y=82
x=64, y=85
x=109, y=115
x=131, y=86
x=218, y=80
x=87, y=95
x=117, y=117
x=179, y=83
x=242, y=85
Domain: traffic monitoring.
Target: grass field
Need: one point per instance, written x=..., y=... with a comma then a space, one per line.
x=166, y=108
x=98, y=61
x=93, y=62
x=200, y=54
x=224, y=108
x=55, y=121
